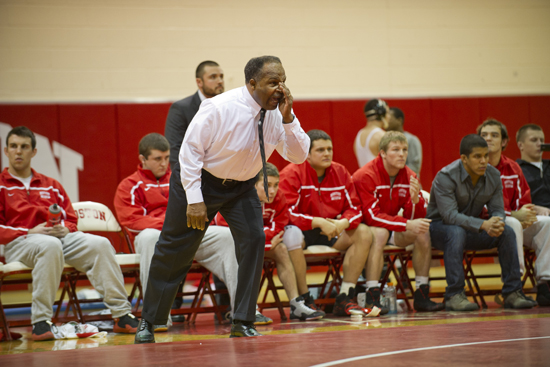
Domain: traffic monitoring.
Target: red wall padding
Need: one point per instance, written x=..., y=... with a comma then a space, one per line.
x=108, y=134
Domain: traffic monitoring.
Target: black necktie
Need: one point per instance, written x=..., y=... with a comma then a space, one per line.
x=262, y=150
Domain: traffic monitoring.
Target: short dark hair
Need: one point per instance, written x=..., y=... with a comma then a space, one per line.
x=523, y=130
x=200, y=69
x=376, y=108
x=317, y=135
x=471, y=141
x=270, y=169
x=254, y=66
x=153, y=141
x=398, y=113
x=24, y=132
x=493, y=122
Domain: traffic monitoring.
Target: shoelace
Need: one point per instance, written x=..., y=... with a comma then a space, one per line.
x=143, y=325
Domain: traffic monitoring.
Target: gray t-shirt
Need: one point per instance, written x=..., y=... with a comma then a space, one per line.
x=414, y=159
x=455, y=200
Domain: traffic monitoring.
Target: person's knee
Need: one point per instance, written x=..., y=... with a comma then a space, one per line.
x=50, y=245
x=381, y=237
x=423, y=241
x=293, y=238
x=99, y=245
x=509, y=234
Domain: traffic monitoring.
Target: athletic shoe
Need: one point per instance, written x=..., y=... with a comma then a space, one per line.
x=299, y=310
x=517, y=300
x=127, y=324
x=310, y=302
x=543, y=294
x=344, y=304
x=261, y=319
x=160, y=328
x=422, y=301
x=459, y=302
x=42, y=331
x=372, y=300
x=145, y=333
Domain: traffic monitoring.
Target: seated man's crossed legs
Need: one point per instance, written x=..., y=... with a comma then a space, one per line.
x=286, y=253
x=453, y=240
x=422, y=256
x=536, y=237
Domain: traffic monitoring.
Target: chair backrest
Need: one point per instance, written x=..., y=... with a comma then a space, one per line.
x=94, y=216
x=426, y=195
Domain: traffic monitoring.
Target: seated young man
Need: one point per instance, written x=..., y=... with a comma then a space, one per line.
x=140, y=202
x=536, y=170
x=531, y=230
x=24, y=210
x=459, y=193
x=324, y=205
x=282, y=243
x=385, y=186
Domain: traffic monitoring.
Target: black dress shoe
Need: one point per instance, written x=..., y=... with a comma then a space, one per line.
x=145, y=333
x=178, y=318
x=243, y=329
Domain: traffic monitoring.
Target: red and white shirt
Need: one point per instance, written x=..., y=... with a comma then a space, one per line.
x=381, y=201
x=307, y=198
x=515, y=189
x=141, y=200
x=275, y=217
x=22, y=209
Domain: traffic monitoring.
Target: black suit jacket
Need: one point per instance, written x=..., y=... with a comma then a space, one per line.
x=179, y=117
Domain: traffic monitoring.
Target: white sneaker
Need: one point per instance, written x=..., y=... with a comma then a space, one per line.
x=299, y=310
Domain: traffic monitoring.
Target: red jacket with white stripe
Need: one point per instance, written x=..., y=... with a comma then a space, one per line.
x=307, y=198
x=381, y=202
x=275, y=216
x=515, y=189
x=141, y=200
x=22, y=209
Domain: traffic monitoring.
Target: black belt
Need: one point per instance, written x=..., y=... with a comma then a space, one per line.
x=220, y=181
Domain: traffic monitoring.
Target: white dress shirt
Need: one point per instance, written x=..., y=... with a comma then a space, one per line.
x=222, y=138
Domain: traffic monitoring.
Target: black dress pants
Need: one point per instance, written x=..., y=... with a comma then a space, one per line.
x=238, y=202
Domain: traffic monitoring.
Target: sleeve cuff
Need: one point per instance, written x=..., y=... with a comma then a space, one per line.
x=194, y=196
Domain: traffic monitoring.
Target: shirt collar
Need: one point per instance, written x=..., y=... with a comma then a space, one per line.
x=201, y=96
x=251, y=102
x=463, y=173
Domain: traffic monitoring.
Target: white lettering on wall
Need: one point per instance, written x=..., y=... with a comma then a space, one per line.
x=70, y=161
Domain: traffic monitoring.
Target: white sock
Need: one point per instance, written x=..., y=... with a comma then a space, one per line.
x=345, y=287
x=421, y=280
x=372, y=284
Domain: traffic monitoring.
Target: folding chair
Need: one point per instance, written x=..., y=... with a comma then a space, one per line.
x=15, y=273
x=267, y=277
x=97, y=217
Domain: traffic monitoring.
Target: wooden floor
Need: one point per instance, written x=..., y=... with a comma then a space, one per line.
x=490, y=337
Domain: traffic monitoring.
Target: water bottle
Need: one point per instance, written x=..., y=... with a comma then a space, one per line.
x=390, y=298
x=54, y=215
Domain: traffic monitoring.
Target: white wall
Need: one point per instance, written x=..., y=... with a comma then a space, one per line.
x=107, y=50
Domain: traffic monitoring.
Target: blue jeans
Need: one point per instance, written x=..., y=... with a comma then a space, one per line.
x=454, y=240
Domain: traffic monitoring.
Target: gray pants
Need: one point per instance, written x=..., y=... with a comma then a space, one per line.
x=536, y=237
x=216, y=253
x=90, y=254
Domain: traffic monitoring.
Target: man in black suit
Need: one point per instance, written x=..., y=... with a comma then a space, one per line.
x=210, y=83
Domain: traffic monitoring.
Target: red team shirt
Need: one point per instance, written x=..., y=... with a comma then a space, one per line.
x=275, y=218
x=22, y=209
x=382, y=201
x=141, y=200
x=515, y=189
x=307, y=198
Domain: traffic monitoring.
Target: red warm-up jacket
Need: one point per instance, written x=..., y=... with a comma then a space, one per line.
x=141, y=200
x=307, y=198
x=381, y=201
x=275, y=216
x=22, y=209
x=515, y=188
